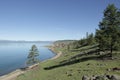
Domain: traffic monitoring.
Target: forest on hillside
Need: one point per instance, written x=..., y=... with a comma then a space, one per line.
x=107, y=36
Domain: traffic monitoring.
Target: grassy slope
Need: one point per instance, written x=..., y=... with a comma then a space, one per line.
x=85, y=65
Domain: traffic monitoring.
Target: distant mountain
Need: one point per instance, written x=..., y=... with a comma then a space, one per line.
x=64, y=41
x=12, y=41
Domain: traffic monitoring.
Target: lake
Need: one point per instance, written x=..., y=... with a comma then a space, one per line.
x=14, y=55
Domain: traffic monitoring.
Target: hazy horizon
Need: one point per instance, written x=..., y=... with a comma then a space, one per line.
x=38, y=40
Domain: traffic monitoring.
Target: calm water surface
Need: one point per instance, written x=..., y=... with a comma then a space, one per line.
x=14, y=55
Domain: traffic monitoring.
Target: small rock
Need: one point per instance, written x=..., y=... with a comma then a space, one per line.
x=92, y=78
x=85, y=78
x=115, y=77
x=116, y=69
x=112, y=58
x=99, y=78
x=108, y=76
x=108, y=69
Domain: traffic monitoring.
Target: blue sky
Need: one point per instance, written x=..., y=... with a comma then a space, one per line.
x=50, y=19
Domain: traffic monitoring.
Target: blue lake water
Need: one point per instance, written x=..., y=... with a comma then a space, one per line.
x=14, y=55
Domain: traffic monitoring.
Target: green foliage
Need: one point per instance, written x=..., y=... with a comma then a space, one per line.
x=32, y=57
x=108, y=34
x=68, y=47
x=89, y=40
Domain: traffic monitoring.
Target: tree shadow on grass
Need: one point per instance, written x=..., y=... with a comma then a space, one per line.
x=84, y=53
x=76, y=60
x=83, y=49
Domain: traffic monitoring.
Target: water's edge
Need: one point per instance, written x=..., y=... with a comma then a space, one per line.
x=18, y=69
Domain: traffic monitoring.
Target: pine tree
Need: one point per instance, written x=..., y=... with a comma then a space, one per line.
x=33, y=54
x=109, y=29
x=90, y=39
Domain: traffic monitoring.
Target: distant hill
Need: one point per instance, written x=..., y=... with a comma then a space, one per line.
x=12, y=41
x=64, y=41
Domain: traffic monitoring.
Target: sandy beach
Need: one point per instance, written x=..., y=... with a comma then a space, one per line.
x=12, y=75
x=58, y=55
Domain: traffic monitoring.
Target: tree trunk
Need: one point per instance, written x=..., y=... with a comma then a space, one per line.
x=111, y=50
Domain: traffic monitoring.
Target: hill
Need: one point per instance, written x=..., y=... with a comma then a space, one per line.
x=74, y=64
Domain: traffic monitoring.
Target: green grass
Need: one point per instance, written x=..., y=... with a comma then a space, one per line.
x=72, y=69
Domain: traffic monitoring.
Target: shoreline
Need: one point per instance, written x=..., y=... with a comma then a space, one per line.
x=12, y=75
x=58, y=54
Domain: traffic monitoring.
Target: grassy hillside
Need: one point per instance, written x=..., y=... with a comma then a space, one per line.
x=74, y=64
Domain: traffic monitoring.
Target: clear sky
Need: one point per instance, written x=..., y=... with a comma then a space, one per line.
x=50, y=19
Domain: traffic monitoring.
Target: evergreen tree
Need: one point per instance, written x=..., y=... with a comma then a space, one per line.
x=68, y=47
x=32, y=57
x=90, y=39
x=108, y=34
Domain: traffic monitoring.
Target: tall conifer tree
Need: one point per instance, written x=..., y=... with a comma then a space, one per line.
x=108, y=34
